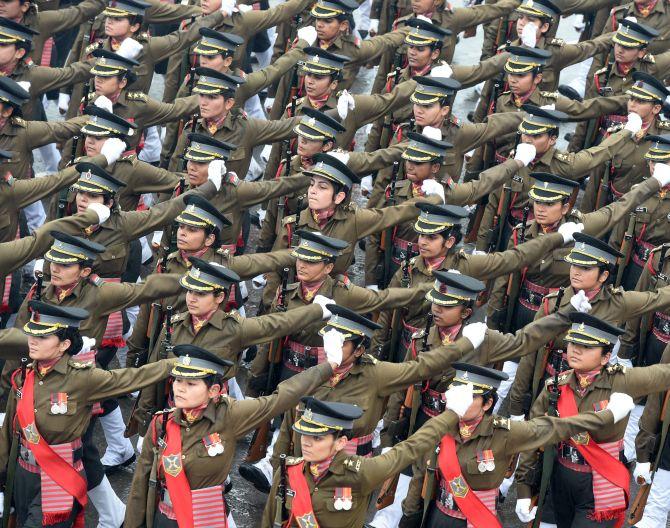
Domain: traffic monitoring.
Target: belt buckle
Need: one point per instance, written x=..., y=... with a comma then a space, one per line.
x=297, y=359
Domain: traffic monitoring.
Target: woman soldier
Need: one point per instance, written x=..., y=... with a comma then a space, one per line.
x=48, y=411
x=189, y=451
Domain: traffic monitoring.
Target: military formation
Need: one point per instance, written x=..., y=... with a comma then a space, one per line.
x=246, y=271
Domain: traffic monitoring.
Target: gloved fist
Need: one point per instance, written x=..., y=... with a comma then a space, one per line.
x=101, y=210
x=432, y=133
x=525, y=153
x=333, y=341
x=621, y=404
x=432, y=187
x=459, y=398
x=442, y=70
x=475, y=333
x=373, y=287
x=662, y=174
x=424, y=18
x=2, y=503
x=88, y=344
x=244, y=8
x=156, y=239
x=25, y=85
x=374, y=27
x=568, y=230
x=517, y=418
x=345, y=103
x=524, y=512
x=642, y=472
x=104, y=102
x=580, y=302
x=39, y=267
x=140, y=443
x=259, y=281
x=529, y=35
x=129, y=48
x=308, y=34
x=634, y=124
x=227, y=7
x=340, y=155
x=551, y=106
x=366, y=185
x=215, y=172
x=323, y=301
x=112, y=149
x=63, y=103
x=269, y=103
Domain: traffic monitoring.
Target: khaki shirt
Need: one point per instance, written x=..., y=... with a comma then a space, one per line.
x=652, y=215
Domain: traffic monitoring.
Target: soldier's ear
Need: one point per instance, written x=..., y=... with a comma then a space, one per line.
x=544, y=27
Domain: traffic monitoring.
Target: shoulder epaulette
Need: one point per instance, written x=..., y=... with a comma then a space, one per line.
x=293, y=461
x=455, y=121
x=551, y=295
x=298, y=102
x=232, y=178
x=419, y=334
x=292, y=286
x=290, y=219
x=137, y=96
x=224, y=251
x=234, y=314
x=165, y=411
x=550, y=95
x=143, y=36
x=80, y=364
x=412, y=261
x=369, y=358
x=96, y=280
x=562, y=378
x=500, y=422
x=665, y=125
x=617, y=367
x=576, y=213
x=92, y=47
x=618, y=8
x=173, y=255
x=649, y=58
x=129, y=157
x=601, y=70
x=179, y=317
x=353, y=464
x=18, y=121
x=617, y=290
x=615, y=128
x=562, y=156
x=506, y=92
x=343, y=280
x=557, y=42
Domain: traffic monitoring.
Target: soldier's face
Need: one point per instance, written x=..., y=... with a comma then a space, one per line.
x=313, y=272
x=647, y=110
x=201, y=304
x=196, y=172
x=83, y=199
x=46, y=348
x=321, y=194
x=548, y=214
x=319, y=85
x=93, y=145
x=627, y=55
x=418, y=172
x=430, y=114
x=328, y=28
x=209, y=6
x=542, y=142
x=108, y=86
x=310, y=147
x=585, y=359
x=118, y=27
x=447, y=316
x=192, y=393
x=13, y=8
x=67, y=274
x=320, y=448
x=212, y=106
x=435, y=245
x=216, y=62
x=587, y=278
x=542, y=27
x=420, y=56
x=524, y=83
x=419, y=7
x=191, y=238
x=8, y=53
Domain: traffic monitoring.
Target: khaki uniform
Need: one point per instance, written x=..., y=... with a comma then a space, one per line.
x=231, y=419
x=13, y=343
x=658, y=18
x=612, y=305
x=553, y=271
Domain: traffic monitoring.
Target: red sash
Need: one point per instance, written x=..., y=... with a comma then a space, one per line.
x=602, y=463
x=175, y=477
x=302, y=510
x=477, y=514
x=62, y=473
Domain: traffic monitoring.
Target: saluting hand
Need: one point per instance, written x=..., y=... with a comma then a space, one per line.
x=333, y=341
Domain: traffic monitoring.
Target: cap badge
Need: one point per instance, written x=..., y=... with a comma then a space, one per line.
x=581, y=327
x=307, y=415
x=195, y=273
x=195, y=145
x=316, y=58
x=311, y=121
x=546, y=184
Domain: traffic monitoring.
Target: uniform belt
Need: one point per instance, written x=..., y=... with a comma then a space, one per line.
x=569, y=457
x=165, y=503
x=531, y=294
x=615, y=193
x=661, y=327
x=641, y=252
x=298, y=357
x=499, y=158
x=406, y=334
x=361, y=446
x=432, y=402
x=400, y=248
x=27, y=459
x=447, y=504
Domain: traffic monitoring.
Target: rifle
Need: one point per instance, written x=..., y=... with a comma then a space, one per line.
x=386, y=133
x=166, y=350
x=592, y=124
x=514, y=285
x=280, y=499
x=498, y=224
x=13, y=460
x=281, y=202
x=261, y=437
x=603, y=183
x=626, y=249
x=387, y=235
x=396, y=321
x=39, y=276
x=154, y=490
x=549, y=455
x=428, y=490
x=647, y=318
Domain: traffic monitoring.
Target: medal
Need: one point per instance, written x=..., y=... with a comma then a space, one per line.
x=342, y=499
x=489, y=460
x=338, y=504
x=213, y=444
x=58, y=403
x=481, y=463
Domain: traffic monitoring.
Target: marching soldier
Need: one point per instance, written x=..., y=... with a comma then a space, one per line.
x=653, y=14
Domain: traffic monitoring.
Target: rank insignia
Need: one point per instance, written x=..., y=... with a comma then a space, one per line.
x=31, y=434
x=342, y=500
x=58, y=403
x=172, y=464
x=213, y=444
x=459, y=488
x=307, y=521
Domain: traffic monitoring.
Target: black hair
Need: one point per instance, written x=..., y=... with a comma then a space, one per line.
x=553, y=132
x=76, y=341
x=490, y=395
x=213, y=230
x=447, y=100
x=85, y=263
x=26, y=45
x=360, y=341
x=213, y=379
x=349, y=433
x=349, y=17
x=16, y=109
x=602, y=268
x=453, y=231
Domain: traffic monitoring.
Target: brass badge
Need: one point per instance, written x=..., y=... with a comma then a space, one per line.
x=172, y=464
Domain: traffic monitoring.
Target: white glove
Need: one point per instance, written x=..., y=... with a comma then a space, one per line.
x=129, y=48
x=41, y=174
x=104, y=102
x=424, y=18
x=431, y=187
x=442, y=70
x=340, y=156
x=112, y=149
x=215, y=172
x=529, y=35
x=662, y=174
x=454, y=271
x=345, y=103
x=523, y=509
x=63, y=103
x=259, y=281
x=308, y=34
x=525, y=153
x=333, y=342
x=551, y=106
x=632, y=19
x=39, y=266
x=373, y=287
x=621, y=404
x=580, y=302
x=227, y=7
x=25, y=85
x=432, y=133
x=156, y=239
x=366, y=185
x=262, y=213
x=642, y=472
x=459, y=398
x=634, y=124
x=101, y=210
x=269, y=103
x=475, y=333
x=374, y=26
x=517, y=418
x=2, y=503
x=87, y=345
x=140, y=443
x=322, y=301
x=244, y=8
x=568, y=230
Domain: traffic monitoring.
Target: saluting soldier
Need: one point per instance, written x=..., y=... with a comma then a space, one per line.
x=589, y=485
x=653, y=14
x=190, y=449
